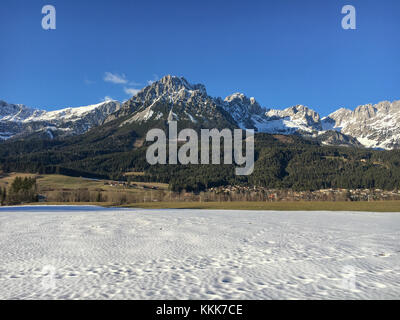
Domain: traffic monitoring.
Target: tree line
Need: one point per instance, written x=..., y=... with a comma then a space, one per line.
x=21, y=190
x=292, y=163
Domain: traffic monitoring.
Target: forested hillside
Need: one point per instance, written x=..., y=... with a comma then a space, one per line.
x=287, y=162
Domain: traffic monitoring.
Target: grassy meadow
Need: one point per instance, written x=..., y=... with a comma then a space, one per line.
x=374, y=206
x=141, y=195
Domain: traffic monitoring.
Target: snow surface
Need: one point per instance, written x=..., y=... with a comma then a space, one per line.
x=72, y=114
x=26, y=115
x=368, y=143
x=97, y=253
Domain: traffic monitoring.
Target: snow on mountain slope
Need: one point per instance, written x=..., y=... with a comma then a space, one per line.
x=19, y=120
x=371, y=126
x=21, y=113
x=17, y=112
x=375, y=126
x=71, y=114
x=293, y=119
x=174, y=98
x=245, y=111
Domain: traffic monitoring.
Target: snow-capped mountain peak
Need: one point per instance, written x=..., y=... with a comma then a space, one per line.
x=19, y=120
x=294, y=118
x=247, y=112
x=170, y=88
x=17, y=112
x=375, y=126
x=172, y=98
x=175, y=98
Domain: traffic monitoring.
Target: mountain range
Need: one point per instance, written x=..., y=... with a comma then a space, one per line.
x=174, y=98
x=17, y=120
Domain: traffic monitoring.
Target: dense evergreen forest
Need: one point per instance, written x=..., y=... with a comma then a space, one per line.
x=286, y=162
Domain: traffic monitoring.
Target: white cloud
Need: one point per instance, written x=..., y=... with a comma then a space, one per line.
x=115, y=78
x=131, y=91
x=107, y=98
x=129, y=85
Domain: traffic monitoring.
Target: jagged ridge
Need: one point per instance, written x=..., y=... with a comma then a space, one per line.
x=19, y=120
x=174, y=98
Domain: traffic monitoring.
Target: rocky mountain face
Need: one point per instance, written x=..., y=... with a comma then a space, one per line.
x=293, y=119
x=336, y=138
x=246, y=112
x=174, y=98
x=19, y=120
x=374, y=126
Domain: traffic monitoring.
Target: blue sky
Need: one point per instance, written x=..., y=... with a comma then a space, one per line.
x=282, y=52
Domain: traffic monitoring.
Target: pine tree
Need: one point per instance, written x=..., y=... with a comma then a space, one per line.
x=3, y=195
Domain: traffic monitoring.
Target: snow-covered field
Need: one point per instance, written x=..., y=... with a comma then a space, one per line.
x=94, y=253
